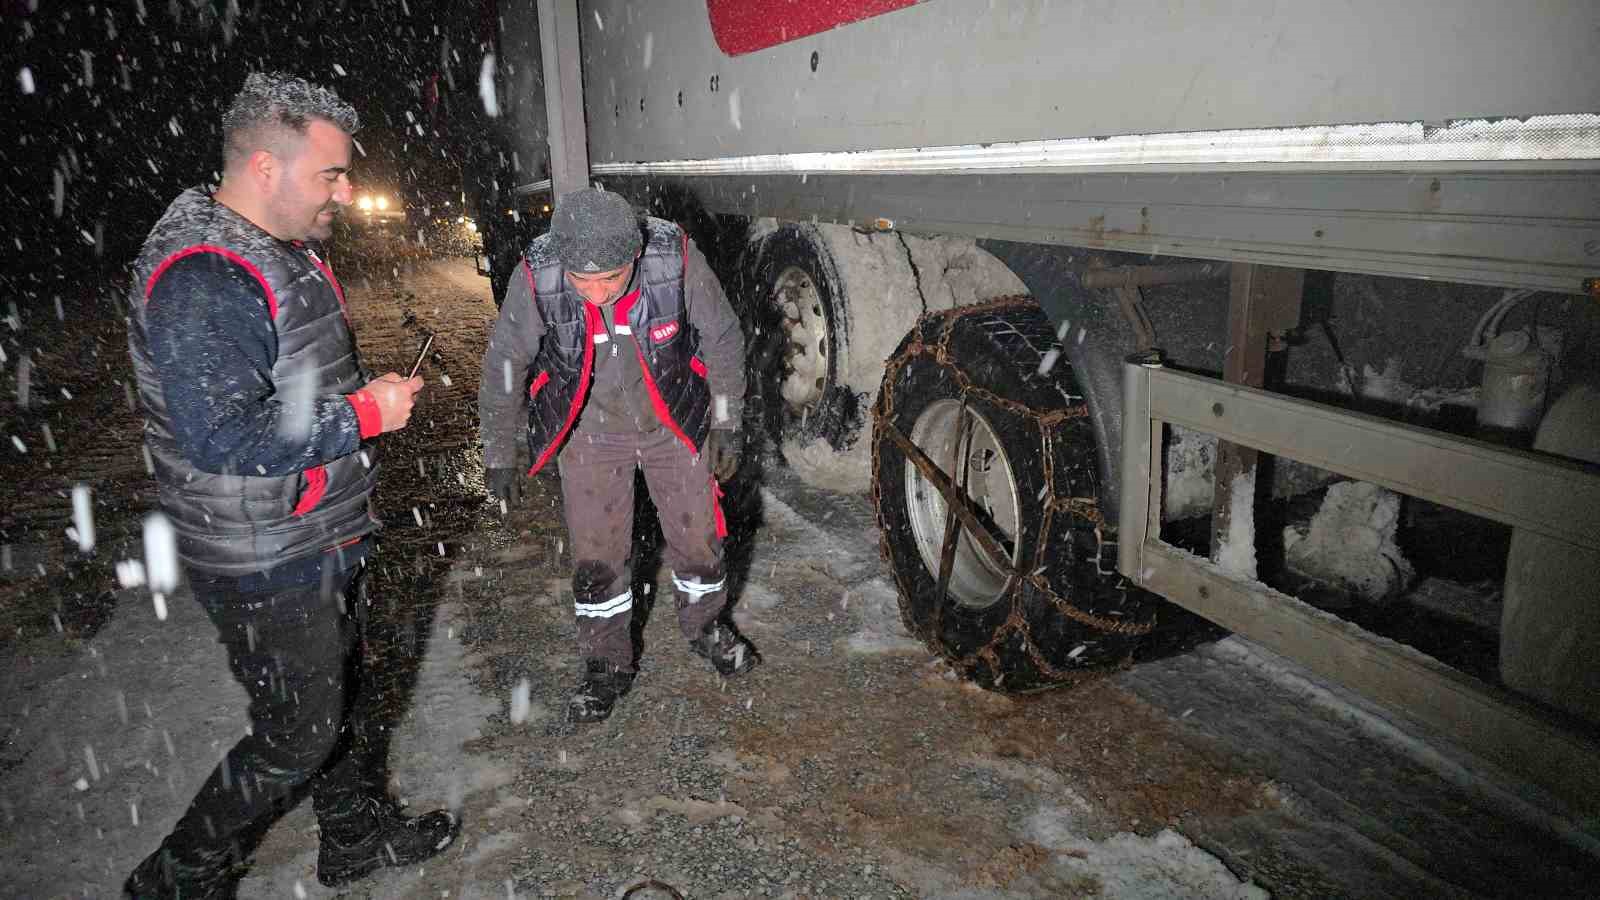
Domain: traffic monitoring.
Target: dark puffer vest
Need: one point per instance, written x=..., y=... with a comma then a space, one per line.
x=242, y=523
x=665, y=343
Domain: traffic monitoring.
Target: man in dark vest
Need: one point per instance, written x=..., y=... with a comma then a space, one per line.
x=616, y=342
x=260, y=422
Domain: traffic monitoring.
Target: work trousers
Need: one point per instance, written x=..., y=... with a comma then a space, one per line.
x=296, y=651
x=597, y=496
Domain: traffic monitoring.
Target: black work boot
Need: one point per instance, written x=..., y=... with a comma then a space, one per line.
x=602, y=687
x=164, y=876
x=729, y=653
x=378, y=835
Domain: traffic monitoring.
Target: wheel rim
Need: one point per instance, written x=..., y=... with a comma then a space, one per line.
x=977, y=579
x=808, y=349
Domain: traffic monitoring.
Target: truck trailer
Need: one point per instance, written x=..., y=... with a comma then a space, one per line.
x=1094, y=298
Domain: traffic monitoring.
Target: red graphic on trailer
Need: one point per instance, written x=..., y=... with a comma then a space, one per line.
x=744, y=26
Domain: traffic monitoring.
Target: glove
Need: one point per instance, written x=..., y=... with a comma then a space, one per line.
x=723, y=448
x=504, y=485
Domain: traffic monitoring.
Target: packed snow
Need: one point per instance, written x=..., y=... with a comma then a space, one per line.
x=1350, y=542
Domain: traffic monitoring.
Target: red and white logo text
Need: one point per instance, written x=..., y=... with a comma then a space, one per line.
x=663, y=332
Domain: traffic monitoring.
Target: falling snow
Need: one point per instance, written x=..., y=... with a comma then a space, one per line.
x=83, y=517
x=486, y=88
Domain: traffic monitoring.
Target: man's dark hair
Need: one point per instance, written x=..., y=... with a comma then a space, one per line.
x=272, y=102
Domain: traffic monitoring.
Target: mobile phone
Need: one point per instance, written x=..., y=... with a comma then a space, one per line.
x=420, y=357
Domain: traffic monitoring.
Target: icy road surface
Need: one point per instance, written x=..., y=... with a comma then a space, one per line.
x=850, y=764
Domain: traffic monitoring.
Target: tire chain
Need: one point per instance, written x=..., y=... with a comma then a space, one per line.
x=1085, y=508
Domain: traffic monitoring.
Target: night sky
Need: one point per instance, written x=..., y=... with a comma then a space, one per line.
x=113, y=108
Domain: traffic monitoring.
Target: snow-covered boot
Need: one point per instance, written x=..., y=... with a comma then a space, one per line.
x=729, y=653
x=378, y=834
x=602, y=687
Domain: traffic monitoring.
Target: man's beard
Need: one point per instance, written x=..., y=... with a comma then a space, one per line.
x=320, y=230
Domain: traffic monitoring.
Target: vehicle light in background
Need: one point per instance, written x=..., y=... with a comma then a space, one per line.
x=383, y=202
x=364, y=203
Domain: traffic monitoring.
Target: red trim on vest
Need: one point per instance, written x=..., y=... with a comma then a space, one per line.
x=272, y=298
x=716, y=508
x=698, y=367
x=316, y=486
x=591, y=315
x=538, y=384
x=533, y=292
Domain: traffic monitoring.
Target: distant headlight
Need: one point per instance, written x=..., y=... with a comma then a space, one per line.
x=383, y=202
x=471, y=225
x=365, y=204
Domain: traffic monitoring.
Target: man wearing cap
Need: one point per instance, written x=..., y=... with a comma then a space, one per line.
x=617, y=342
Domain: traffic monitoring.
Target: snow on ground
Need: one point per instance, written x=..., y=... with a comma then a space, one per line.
x=1388, y=807
x=107, y=741
x=877, y=603
x=847, y=553
x=110, y=741
x=1164, y=867
x=430, y=771
x=1521, y=801
x=849, y=471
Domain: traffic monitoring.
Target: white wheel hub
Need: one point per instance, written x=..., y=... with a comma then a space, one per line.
x=975, y=461
x=808, y=349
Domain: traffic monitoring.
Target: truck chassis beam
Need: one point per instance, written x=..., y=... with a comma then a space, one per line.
x=1521, y=489
x=1527, y=228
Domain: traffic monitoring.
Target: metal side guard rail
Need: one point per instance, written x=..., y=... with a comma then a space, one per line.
x=1518, y=488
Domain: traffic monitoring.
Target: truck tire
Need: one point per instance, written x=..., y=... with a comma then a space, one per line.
x=800, y=340
x=1051, y=603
